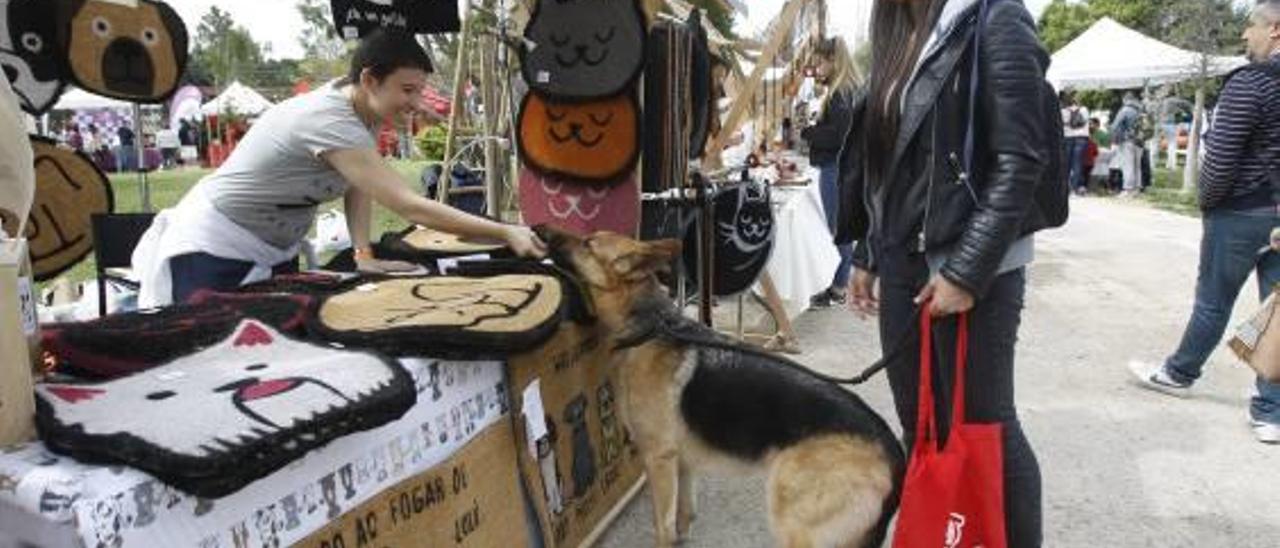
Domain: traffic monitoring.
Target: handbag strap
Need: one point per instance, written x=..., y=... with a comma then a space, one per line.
x=926, y=415
x=979, y=30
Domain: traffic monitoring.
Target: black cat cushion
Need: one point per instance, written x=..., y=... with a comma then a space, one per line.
x=132, y=52
x=211, y=422
x=30, y=56
x=744, y=231
x=580, y=50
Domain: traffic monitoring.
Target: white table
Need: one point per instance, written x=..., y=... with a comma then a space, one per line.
x=804, y=258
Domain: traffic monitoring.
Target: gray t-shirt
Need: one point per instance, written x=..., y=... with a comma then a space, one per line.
x=274, y=180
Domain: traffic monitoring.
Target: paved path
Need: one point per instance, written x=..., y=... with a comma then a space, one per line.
x=1122, y=467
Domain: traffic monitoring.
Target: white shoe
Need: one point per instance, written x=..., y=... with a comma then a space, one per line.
x=1266, y=432
x=1155, y=378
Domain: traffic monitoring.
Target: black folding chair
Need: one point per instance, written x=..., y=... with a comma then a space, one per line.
x=114, y=237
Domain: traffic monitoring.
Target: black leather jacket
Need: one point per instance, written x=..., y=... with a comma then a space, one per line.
x=923, y=204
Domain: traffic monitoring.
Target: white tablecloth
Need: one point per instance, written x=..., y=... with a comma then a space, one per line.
x=804, y=258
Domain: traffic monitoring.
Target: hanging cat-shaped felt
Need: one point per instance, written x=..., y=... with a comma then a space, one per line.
x=744, y=231
x=595, y=142
x=30, y=56
x=357, y=18
x=211, y=422
x=69, y=189
x=132, y=52
x=578, y=208
x=486, y=317
x=583, y=49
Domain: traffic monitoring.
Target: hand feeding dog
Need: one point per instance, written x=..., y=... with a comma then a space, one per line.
x=691, y=397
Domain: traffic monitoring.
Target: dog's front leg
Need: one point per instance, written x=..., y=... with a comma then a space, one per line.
x=664, y=471
x=688, y=501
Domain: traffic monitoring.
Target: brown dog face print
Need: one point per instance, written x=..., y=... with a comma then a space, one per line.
x=69, y=190
x=136, y=53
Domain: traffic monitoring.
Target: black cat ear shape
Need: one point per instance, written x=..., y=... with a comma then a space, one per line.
x=134, y=52
x=580, y=50
x=355, y=19
x=31, y=57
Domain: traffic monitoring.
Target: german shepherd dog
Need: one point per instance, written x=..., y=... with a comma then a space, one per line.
x=691, y=397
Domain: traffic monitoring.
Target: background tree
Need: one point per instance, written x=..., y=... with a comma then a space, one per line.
x=327, y=56
x=226, y=52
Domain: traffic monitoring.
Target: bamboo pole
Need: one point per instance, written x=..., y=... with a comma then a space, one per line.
x=786, y=22
x=460, y=77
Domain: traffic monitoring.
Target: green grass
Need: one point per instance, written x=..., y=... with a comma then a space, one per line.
x=168, y=187
x=1166, y=193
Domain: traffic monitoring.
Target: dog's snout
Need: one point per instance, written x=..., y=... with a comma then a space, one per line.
x=127, y=67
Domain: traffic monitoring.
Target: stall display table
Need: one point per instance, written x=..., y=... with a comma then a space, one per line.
x=804, y=258
x=49, y=500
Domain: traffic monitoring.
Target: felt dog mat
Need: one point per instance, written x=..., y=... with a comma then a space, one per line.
x=744, y=231
x=465, y=315
x=132, y=52
x=30, y=55
x=69, y=190
x=123, y=344
x=593, y=142
x=357, y=18
x=583, y=50
x=248, y=406
x=577, y=208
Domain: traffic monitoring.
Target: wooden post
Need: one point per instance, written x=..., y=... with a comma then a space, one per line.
x=745, y=96
x=489, y=92
x=460, y=77
x=1190, y=175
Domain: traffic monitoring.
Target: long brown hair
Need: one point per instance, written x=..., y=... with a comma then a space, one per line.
x=899, y=31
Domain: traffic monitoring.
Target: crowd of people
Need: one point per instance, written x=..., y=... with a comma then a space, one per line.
x=116, y=150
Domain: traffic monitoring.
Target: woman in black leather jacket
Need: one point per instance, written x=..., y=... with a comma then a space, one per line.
x=930, y=232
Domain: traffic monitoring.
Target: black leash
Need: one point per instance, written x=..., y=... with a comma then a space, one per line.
x=676, y=327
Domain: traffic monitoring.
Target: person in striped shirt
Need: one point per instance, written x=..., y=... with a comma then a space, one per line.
x=1240, y=198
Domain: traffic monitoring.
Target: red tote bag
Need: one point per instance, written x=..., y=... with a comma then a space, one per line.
x=953, y=495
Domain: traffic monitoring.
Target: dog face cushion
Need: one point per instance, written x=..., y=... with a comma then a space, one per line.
x=131, y=53
x=69, y=189
x=30, y=56
x=357, y=18
x=249, y=405
x=589, y=142
x=584, y=49
x=446, y=316
x=578, y=208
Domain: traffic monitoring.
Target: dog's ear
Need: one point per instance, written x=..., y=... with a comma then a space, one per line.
x=652, y=257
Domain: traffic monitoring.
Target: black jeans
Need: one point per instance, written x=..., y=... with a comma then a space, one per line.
x=993, y=332
x=195, y=271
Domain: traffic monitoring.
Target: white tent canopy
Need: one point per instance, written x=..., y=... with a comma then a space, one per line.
x=79, y=99
x=237, y=98
x=1112, y=56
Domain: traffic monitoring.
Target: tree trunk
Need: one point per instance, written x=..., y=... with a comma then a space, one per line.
x=1190, y=174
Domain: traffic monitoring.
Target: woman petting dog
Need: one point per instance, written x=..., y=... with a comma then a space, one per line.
x=936, y=237
x=247, y=219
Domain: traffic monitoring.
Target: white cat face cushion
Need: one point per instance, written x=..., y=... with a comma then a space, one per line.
x=253, y=402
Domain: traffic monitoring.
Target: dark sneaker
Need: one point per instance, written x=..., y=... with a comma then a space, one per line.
x=827, y=299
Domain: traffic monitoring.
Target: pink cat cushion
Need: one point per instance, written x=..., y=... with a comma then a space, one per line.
x=211, y=422
x=577, y=208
